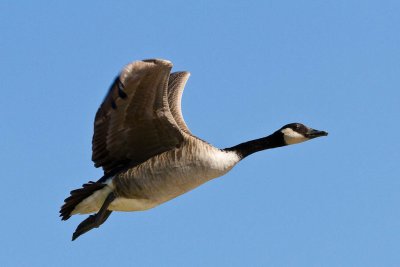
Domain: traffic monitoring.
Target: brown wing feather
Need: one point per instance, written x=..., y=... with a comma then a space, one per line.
x=134, y=121
x=176, y=84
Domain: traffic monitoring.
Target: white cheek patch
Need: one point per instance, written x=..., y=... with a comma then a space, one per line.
x=292, y=137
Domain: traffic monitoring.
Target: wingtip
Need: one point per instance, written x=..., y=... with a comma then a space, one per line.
x=159, y=61
x=136, y=66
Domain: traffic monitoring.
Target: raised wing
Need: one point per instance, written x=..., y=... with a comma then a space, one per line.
x=134, y=121
x=176, y=84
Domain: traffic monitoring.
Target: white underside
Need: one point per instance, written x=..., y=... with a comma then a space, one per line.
x=129, y=204
x=165, y=177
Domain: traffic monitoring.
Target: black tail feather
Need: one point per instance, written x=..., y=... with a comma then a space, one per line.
x=77, y=196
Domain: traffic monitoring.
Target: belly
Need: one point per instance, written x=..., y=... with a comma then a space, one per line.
x=143, y=192
x=167, y=176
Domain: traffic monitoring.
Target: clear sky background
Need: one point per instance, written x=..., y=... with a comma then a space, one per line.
x=256, y=65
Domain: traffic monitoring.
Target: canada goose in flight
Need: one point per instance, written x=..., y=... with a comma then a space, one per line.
x=147, y=152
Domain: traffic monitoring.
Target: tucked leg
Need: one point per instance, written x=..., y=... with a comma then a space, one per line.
x=95, y=220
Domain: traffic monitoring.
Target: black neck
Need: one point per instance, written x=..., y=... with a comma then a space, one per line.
x=250, y=147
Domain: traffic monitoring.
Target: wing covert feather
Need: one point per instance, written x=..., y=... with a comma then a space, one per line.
x=134, y=122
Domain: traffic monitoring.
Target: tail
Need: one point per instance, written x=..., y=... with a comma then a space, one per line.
x=77, y=196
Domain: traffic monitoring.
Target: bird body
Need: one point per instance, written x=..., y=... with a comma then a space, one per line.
x=163, y=177
x=147, y=152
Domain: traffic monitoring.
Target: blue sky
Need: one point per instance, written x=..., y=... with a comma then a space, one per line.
x=333, y=65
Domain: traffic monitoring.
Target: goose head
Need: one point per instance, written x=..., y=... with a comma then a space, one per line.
x=294, y=133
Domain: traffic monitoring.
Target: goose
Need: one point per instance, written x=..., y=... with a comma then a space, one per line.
x=147, y=152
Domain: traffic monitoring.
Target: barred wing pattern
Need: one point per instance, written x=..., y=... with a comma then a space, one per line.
x=134, y=122
x=176, y=84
